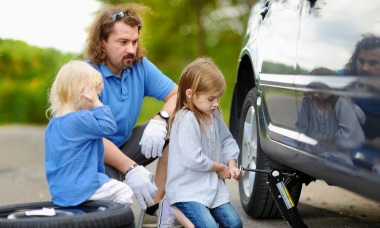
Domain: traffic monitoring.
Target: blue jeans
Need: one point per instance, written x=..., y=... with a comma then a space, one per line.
x=204, y=217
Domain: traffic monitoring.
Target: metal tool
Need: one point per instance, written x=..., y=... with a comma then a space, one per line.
x=282, y=196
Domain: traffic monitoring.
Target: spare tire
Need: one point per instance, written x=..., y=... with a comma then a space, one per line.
x=90, y=214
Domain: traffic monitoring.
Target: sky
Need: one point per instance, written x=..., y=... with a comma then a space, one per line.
x=60, y=24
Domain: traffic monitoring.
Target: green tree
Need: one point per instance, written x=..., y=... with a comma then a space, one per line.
x=26, y=74
x=177, y=32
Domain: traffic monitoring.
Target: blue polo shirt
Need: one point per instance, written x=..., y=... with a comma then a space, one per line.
x=125, y=94
x=370, y=106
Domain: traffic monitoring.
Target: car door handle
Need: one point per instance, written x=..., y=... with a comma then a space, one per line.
x=264, y=10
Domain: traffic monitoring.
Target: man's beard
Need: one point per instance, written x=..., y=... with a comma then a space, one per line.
x=364, y=73
x=130, y=58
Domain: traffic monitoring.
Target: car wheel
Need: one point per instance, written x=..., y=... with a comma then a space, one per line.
x=255, y=196
x=89, y=214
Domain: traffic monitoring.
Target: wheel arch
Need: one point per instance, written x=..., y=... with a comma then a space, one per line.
x=245, y=81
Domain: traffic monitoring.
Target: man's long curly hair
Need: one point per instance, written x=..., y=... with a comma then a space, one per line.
x=369, y=42
x=103, y=27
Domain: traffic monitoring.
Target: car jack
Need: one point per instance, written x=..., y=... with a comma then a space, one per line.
x=282, y=196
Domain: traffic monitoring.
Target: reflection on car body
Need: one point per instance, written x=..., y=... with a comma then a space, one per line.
x=327, y=117
x=307, y=97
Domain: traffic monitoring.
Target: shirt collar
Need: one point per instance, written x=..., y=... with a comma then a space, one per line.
x=107, y=73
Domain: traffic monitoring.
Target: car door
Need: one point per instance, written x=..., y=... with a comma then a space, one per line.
x=339, y=110
x=277, y=46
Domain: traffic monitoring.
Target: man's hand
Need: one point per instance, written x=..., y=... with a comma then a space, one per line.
x=143, y=189
x=153, y=139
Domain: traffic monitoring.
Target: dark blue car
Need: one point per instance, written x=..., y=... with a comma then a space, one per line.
x=307, y=98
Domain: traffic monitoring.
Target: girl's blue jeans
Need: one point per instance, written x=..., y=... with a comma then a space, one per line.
x=203, y=217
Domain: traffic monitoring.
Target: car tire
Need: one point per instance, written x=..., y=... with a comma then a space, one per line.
x=255, y=196
x=92, y=214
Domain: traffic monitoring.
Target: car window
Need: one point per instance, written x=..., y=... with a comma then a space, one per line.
x=278, y=34
x=277, y=49
x=338, y=81
x=330, y=30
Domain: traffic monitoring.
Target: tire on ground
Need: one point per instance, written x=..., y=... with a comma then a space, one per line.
x=91, y=214
x=260, y=202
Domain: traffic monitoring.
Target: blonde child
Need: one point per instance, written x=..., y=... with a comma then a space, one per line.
x=74, y=159
x=202, y=152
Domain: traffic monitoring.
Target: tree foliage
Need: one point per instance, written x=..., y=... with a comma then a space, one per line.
x=26, y=73
x=177, y=32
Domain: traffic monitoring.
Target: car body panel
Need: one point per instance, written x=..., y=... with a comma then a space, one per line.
x=277, y=53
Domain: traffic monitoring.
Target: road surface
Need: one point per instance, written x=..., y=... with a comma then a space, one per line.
x=22, y=180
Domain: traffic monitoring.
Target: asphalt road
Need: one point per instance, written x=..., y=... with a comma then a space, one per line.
x=22, y=180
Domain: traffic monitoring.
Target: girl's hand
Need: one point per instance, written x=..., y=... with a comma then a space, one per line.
x=235, y=173
x=90, y=95
x=224, y=172
x=221, y=170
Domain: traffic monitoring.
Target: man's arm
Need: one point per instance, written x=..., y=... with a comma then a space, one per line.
x=138, y=178
x=114, y=157
x=170, y=102
x=153, y=139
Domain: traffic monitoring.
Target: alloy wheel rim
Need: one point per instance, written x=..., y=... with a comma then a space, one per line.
x=249, y=150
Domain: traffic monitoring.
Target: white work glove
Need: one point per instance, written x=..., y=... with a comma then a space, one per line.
x=143, y=189
x=153, y=139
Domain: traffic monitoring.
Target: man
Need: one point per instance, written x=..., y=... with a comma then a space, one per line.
x=114, y=48
x=365, y=61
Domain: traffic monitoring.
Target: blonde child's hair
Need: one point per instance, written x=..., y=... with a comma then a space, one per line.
x=68, y=83
x=203, y=77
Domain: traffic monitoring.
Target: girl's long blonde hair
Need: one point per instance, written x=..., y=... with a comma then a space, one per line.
x=67, y=85
x=203, y=77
